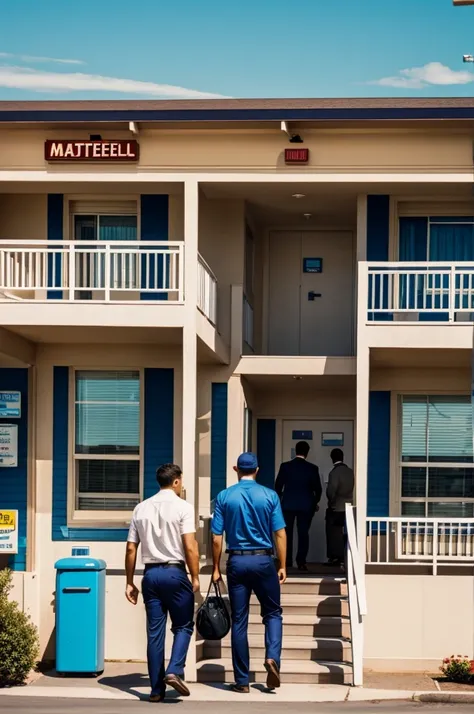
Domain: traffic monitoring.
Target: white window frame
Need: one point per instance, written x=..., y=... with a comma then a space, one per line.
x=100, y=518
x=98, y=201
x=396, y=498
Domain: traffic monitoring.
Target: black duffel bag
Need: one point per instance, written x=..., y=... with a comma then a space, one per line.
x=213, y=617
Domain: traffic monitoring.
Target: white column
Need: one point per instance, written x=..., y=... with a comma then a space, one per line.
x=362, y=408
x=235, y=425
x=189, y=401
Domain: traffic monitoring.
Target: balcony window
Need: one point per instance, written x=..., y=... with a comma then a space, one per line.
x=436, y=461
x=105, y=228
x=107, y=441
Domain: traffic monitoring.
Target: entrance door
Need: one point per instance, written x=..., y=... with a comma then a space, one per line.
x=311, y=291
x=322, y=436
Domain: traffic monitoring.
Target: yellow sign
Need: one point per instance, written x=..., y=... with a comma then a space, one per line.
x=8, y=532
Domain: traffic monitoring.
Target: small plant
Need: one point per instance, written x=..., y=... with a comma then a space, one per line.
x=458, y=668
x=19, y=645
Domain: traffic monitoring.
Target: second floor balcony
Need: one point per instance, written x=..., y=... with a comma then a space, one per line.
x=123, y=275
x=418, y=299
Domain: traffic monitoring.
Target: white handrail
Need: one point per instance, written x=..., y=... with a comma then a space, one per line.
x=357, y=598
x=207, y=291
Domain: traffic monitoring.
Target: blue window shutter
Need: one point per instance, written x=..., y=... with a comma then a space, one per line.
x=378, y=472
x=266, y=439
x=60, y=449
x=55, y=232
x=60, y=529
x=378, y=236
x=413, y=239
x=218, y=438
x=159, y=424
x=154, y=226
x=14, y=481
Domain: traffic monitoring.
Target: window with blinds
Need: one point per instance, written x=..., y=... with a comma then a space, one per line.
x=437, y=466
x=107, y=440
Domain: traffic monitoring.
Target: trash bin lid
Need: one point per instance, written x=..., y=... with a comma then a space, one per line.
x=80, y=564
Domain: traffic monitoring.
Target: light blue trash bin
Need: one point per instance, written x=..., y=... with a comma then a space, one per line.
x=80, y=615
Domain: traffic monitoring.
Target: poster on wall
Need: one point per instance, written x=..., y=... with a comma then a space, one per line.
x=10, y=405
x=8, y=532
x=8, y=445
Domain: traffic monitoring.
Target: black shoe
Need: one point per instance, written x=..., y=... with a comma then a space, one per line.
x=303, y=568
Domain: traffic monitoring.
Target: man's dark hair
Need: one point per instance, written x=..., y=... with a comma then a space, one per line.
x=167, y=474
x=246, y=472
x=302, y=449
x=337, y=455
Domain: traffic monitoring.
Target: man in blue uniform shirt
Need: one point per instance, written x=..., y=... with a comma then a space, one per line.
x=251, y=517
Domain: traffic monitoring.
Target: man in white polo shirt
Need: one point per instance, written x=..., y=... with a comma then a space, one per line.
x=165, y=526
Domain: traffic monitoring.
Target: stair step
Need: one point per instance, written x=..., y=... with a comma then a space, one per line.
x=292, y=672
x=294, y=648
x=318, y=605
x=315, y=586
x=305, y=625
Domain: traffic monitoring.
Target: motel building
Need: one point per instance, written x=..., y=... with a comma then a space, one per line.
x=185, y=280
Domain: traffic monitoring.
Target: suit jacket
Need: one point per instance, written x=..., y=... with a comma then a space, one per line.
x=340, y=488
x=299, y=486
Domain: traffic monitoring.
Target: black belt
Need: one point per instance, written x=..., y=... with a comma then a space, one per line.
x=169, y=564
x=250, y=552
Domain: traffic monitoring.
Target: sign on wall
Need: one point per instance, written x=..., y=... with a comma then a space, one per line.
x=10, y=405
x=296, y=156
x=93, y=150
x=8, y=445
x=8, y=532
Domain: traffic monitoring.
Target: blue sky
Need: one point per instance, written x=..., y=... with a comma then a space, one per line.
x=99, y=49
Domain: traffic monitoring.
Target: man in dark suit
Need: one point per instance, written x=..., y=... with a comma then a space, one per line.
x=299, y=487
x=340, y=491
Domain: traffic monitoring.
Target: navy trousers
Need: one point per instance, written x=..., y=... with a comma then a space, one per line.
x=257, y=573
x=167, y=590
x=303, y=524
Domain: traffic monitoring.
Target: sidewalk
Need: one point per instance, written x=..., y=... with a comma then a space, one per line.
x=129, y=681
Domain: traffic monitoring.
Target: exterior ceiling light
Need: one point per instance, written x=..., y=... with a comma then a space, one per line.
x=298, y=195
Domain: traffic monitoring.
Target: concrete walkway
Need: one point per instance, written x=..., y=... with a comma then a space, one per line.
x=129, y=681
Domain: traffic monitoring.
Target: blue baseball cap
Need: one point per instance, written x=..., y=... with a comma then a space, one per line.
x=247, y=461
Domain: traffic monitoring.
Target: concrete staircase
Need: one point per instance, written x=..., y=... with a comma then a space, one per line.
x=316, y=636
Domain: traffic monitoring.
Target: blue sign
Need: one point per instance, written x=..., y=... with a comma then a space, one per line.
x=312, y=265
x=10, y=405
x=302, y=435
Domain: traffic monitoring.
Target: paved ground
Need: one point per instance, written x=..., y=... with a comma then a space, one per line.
x=70, y=706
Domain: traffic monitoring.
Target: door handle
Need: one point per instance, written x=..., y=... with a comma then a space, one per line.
x=312, y=295
x=76, y=590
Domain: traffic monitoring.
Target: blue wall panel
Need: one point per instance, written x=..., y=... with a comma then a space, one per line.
x=55, y=232
x=14, y=481
x=154, y=225
x=159, y=424
x=378, y=472
x=266, y=439
x=218, y=438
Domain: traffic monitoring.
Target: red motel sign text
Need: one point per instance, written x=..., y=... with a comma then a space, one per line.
x=93, y=150
x=296, y=156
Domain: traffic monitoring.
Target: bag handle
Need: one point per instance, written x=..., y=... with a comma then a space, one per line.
x=217, y=589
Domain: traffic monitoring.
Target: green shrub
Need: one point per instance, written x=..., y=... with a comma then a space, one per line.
x=19, y=645
x=458, y=669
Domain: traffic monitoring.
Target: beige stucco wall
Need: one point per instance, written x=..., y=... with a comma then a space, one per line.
x=23, y=216
x=414, y=621
x=354, y=149
x=221, y=243
x=419, y=379
x=305, y=403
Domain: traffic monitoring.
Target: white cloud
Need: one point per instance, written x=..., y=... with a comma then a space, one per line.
x=34, y=60
x=39, y=81
x=433, y=73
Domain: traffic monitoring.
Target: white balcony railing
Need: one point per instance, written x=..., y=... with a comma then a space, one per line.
x=207, y=291
x=99, y=271
x=425, y=291
x=420, y=541
x=248, y=323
